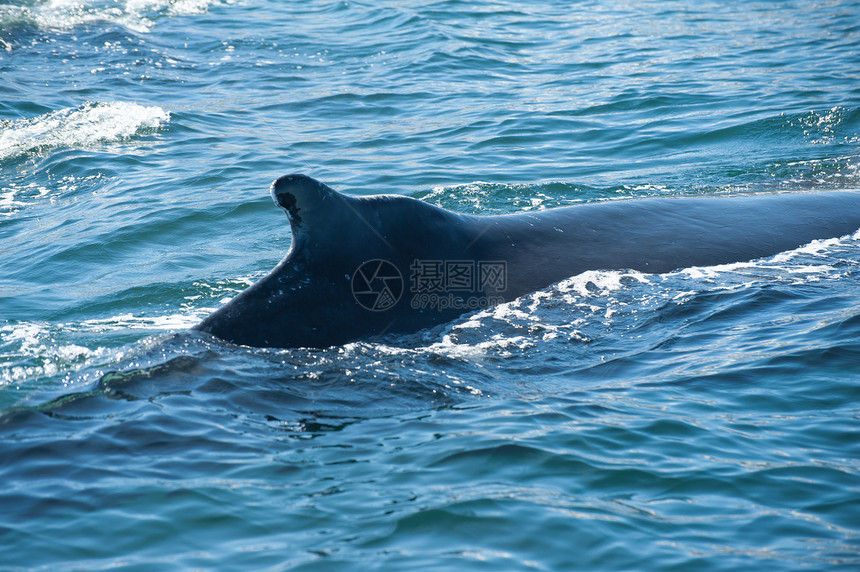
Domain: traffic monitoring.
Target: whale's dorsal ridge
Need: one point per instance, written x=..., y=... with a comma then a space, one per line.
x=302, y=198
x=364, y=266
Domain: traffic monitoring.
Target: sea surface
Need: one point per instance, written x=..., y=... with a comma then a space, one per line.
x=705, y=419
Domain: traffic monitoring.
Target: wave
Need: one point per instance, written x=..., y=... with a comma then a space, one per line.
x=588, y=306
x=575, y=313
x=32, y=350
x=135, y=15
x=36, y=349
x=89, y=125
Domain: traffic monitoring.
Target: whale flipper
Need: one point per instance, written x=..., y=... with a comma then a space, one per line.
x=359, y=267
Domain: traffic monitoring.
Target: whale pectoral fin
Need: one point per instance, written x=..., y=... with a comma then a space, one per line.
x=303, y=199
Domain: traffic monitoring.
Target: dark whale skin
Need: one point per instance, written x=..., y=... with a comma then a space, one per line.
x=313, y=297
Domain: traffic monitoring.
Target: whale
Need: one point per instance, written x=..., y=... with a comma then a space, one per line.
x=362, y=267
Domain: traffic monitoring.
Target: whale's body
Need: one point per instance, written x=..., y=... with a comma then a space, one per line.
x=364, y=266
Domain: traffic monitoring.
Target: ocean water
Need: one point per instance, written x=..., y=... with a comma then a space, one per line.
x=704, y=419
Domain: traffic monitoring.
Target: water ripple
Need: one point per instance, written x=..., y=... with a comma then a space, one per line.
x=702, y=419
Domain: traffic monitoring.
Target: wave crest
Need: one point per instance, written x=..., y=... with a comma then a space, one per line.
x=88, y=125
x=135, y=15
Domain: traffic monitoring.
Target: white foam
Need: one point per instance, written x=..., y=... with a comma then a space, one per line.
x=41, y=348
x=790, y=262
x=171, y=7
x=13, y=197
x=706, y=272
x=135, y=15
x=599, y=281
x=86, y=126
x=820, y=127
x=132, y=322
x=34, y=342
x=597, y=293
x=497, y=344
x=814, y=248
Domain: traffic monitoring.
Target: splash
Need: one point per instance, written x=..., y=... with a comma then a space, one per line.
x=90, y=125
x=13, y=196
x=31, y=350
x=582, y=308
x=820, y=127
x=135, y=15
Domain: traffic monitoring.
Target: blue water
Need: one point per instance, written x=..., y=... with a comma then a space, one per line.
x=705, y=419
